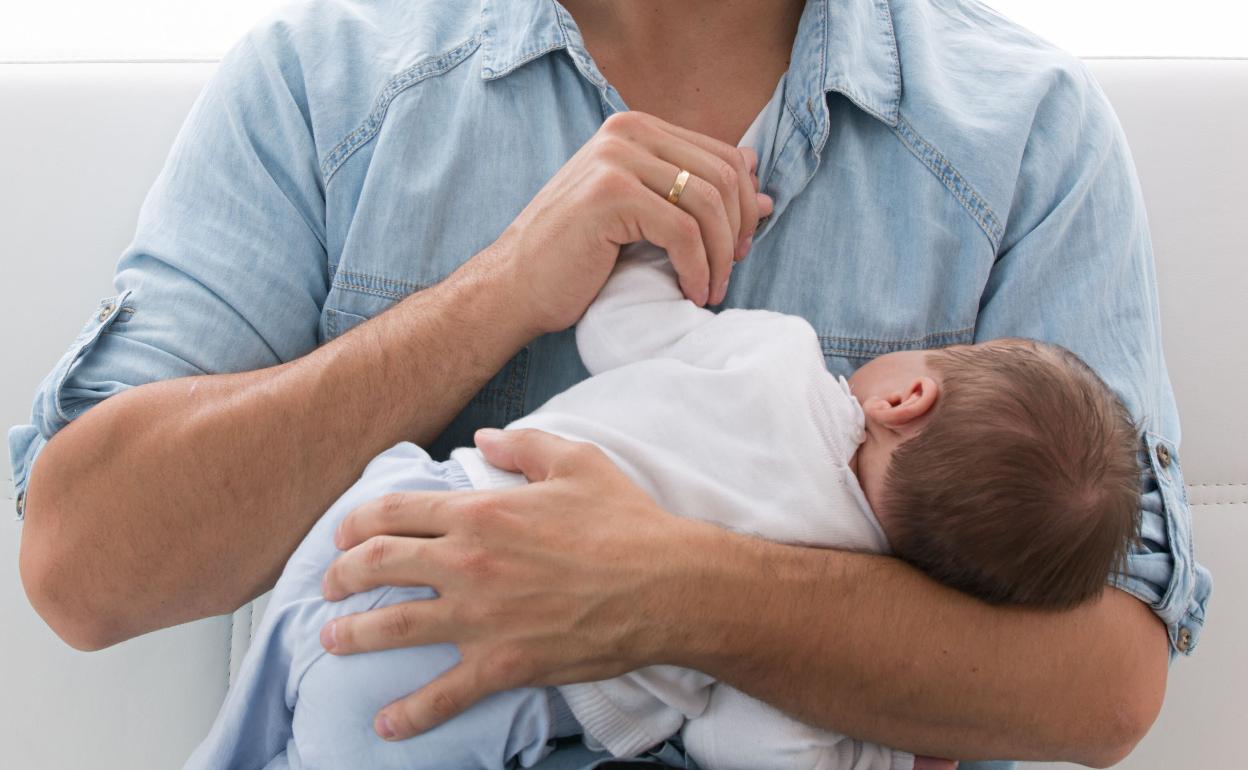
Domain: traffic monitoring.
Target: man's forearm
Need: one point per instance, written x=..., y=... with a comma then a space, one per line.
x=909, y=663
x=180, y=499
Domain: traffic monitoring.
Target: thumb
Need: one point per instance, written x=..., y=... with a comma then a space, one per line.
x=524, y=450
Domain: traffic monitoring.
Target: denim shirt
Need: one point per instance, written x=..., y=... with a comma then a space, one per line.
x=940, y=176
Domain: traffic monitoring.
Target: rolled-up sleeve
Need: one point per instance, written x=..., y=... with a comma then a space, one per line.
x=227, y=270
x=1075, y=267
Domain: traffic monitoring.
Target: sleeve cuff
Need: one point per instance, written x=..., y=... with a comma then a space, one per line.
x=25, y=443
x=53, y=410
x=1161, y=568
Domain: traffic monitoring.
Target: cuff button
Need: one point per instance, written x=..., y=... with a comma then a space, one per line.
x=1163, y=456
x=21, y=504
x=1185, y=639
x=104, y=311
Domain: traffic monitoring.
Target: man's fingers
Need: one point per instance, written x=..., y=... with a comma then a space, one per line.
x=415, y=514
x=381, y=560
x=734, y=157
x=717, y=218
x=406, y=624
x=447, y=696
x=751, y=160
x=719, y=165
x=537, y=454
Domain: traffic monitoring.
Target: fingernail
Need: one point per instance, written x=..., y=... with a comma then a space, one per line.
x=748, y=243
x=384, y=728
x=488, y=434
x=721, y=292
x=328, y=637
x=701, y=300
x=338, y=535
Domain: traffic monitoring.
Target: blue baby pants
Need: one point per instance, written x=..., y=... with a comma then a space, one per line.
x=295, y=706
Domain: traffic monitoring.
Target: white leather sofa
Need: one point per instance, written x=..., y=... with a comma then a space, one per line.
x=81, y=143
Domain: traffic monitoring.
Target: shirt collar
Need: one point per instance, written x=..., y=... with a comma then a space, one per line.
x=847, y=46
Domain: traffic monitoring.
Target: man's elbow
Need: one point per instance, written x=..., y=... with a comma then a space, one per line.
x=51, y=575
x=1121, y=735
x=1120, y=723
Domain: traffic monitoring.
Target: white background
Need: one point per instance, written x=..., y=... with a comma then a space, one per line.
x=42, y=30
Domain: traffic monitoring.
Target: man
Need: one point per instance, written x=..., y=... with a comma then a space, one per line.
x=935, y=175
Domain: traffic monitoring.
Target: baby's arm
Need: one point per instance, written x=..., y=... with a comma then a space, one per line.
x=639, y=313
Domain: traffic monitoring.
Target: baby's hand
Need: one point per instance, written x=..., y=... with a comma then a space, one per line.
x=932, y=763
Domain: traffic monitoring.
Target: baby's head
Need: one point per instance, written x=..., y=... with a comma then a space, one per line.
x=1006, y=469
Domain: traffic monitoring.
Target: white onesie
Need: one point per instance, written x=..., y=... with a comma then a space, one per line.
x=731, y=418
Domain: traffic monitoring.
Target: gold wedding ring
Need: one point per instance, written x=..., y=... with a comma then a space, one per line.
x=678, y=186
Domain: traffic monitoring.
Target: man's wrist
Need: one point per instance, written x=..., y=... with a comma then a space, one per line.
x=695, y=616
x=494, y=277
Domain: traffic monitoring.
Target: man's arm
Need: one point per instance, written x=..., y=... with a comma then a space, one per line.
x=132, y=508
x=164, y=494
x=190, y=435
x=917, y=665
x=860, y=644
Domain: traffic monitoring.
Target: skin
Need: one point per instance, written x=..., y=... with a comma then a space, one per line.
x=897, y=392
x=107, y=555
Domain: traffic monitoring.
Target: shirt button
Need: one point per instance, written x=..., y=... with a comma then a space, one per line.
x=1163, y=456
x=1185, y=639
x=104, y=311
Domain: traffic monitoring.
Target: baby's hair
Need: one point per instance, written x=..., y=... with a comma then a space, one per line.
x=1023, y=486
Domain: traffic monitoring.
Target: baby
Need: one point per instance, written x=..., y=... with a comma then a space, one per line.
x=1005, y=469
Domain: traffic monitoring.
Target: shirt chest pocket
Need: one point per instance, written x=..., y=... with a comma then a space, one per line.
x=498, y=402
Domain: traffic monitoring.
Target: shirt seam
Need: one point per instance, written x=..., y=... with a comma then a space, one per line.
x=833, y=344
x=391, y=289
x=435, y=64
x=972, y=202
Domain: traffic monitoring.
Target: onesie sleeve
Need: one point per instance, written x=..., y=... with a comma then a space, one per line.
x=640, y=312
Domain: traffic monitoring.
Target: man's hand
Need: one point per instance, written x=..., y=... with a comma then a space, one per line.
x=518, y=592
x=613, y=191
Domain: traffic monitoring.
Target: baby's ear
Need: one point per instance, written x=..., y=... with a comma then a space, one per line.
x=908, y=408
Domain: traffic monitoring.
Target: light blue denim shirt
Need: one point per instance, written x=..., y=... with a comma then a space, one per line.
x=940, y=176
